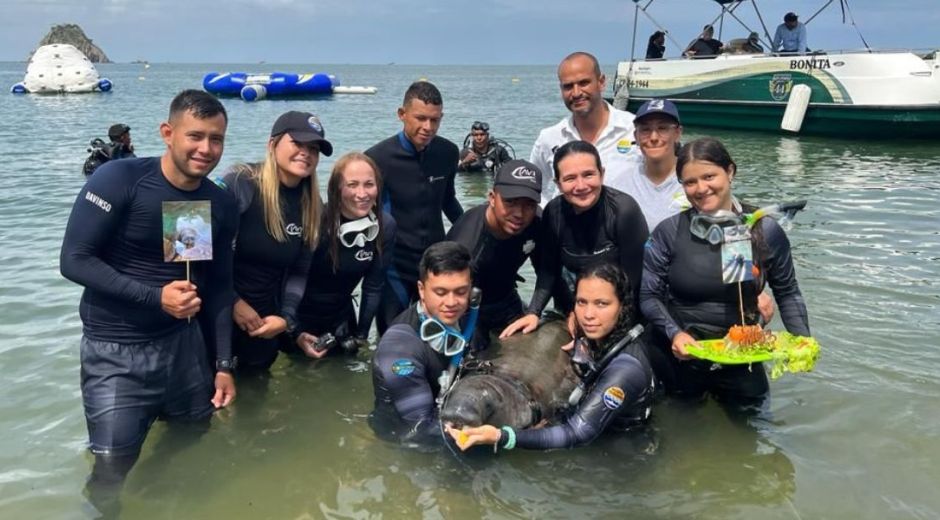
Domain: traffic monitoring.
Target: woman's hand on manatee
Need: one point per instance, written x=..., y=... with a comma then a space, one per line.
x=526, y=324
x=679, y=341
x=480, y=435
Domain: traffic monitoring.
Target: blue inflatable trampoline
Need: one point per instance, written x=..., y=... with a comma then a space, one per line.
x=251, y=87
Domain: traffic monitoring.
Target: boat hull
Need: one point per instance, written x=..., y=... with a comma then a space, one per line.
x=884, y=95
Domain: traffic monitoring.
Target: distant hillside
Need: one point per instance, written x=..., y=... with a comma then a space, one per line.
x=74, y=35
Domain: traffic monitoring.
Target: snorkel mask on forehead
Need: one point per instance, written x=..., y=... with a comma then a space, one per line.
x=710, y=228
x=356, y=233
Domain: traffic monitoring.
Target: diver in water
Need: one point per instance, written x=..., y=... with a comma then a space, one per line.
x=482, y=153
x=421, y=345
x=615, y=388
x=100, y=152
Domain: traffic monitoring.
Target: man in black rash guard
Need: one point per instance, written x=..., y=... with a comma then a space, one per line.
x=406, y=368
x=418, y=169
x=143, y=355
x=500, y=236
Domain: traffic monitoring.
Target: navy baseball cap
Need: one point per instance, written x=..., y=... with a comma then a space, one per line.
x=116, y=131
x=303, y=127
x=658, y=106
x=518, y=178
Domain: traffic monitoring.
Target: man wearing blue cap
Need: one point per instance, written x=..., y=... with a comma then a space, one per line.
x=654, y=184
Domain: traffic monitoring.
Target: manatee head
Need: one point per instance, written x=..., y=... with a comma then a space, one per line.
x=488, y=399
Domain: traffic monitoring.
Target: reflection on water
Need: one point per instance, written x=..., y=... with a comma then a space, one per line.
x=857, y=438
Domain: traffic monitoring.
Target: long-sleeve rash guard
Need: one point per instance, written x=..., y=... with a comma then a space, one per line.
x=682, y=287
x=261, y=261
x=613, y=230
x=114, y=247
x=322, y=301
x=405, y=372
x=495, y=263
x=417, y=186
x=620, y=397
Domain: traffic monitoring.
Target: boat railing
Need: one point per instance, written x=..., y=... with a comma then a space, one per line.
x=927, y=53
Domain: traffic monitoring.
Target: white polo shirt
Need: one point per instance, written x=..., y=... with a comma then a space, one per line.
x=615, y=145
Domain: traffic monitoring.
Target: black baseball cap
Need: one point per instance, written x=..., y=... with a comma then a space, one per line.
x=657, y=106
x=116, y=131
x=790, y=17
x=303, y=127
x=518, y=178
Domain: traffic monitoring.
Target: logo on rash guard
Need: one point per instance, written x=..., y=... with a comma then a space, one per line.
x=528, y=247
x=624, y=145
x=613, y=397
x=403, y=367
x=98, y=201
x=363, y=256
x=294, y=230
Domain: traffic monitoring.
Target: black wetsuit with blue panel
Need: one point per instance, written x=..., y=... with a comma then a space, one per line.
x=405, y=372
x=417, y=187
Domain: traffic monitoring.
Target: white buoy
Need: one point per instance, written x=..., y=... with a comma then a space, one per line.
x=796, y=108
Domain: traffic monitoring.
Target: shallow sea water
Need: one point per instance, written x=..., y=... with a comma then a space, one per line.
x=857, y=438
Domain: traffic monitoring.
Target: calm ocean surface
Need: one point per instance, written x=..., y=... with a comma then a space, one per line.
x=857, y=438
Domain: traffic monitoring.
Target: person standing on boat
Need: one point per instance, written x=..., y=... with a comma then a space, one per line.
x=706, y=46
x=592, y=119
x=656, y=46
x=500, y=236
x=790, y=37
x=481, y=153
x=419, y=168
x=149, y=328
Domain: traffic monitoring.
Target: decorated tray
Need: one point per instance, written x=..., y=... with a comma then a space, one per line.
x=788, y=353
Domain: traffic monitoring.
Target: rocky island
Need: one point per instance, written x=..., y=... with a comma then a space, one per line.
x=72, y=34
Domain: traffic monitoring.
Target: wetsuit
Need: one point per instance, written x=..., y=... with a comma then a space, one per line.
x=138, y=362
x=487, y=161
x=417, y=186
x=612, y=231
x=322, y=301
x=262, y=263
x=621, y=397
x=405, y=372
x=495, y=266
x=682, y=290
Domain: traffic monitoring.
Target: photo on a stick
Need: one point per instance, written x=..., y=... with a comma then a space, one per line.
x=187, y=230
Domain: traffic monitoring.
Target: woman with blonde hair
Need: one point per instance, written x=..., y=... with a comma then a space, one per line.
x=280, y=207
x=356, y=242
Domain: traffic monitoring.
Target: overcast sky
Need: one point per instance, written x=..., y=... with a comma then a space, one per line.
x=430, y=31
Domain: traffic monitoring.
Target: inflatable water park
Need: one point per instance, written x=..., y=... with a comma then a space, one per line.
x=254, y=87
x=60, y=68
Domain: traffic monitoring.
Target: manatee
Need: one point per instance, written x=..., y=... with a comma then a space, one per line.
x=522, y=380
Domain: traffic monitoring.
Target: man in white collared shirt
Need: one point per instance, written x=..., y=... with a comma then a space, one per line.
x=592, y=119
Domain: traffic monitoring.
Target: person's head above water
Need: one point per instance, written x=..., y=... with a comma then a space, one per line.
x=445, y=281
x=603, y=302
x=421, y=112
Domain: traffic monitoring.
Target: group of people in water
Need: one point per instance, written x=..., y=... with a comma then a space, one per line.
x=627, y=240
x=789, y=38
